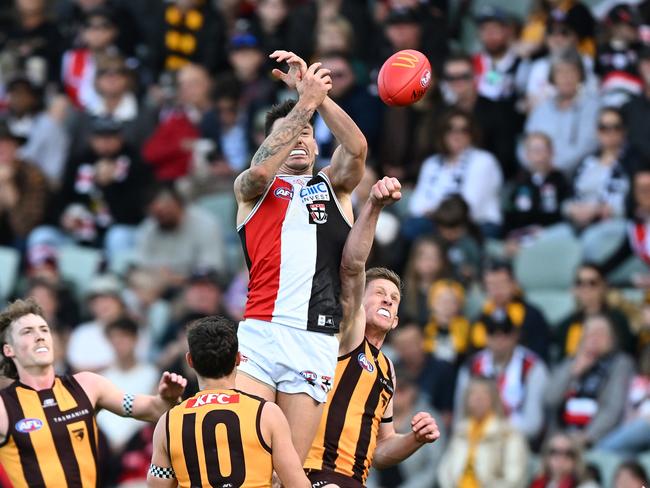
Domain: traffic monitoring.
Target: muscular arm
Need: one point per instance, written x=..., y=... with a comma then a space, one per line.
x=273, y=152
x=349, y=158
x=160, y=458
x=104, y=394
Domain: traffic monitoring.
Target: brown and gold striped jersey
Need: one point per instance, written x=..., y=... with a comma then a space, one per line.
x=215, y=439
x=347, y=435
x=52, y=436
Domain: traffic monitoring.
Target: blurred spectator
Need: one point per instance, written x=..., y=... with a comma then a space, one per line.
x=420, y=469
x=497, y=120
x=484, y=450
x=616, y=57
x=561, y=35
x=365, y=109
x=270, y=24
x=520, y=375
x=191, y=124
x=128, y=374
x=203, y=294
x=32, y=44
x=116, y=87
x=188, y=31
x=460, y=238
x=504, y=297
x=562, y=465
x=46, y=140
x=426, y=264
x=637, y=110
x=60, y=309
x=569, y=118
x=630, y=474
x=23, y=192
x=633, y=436
x=572, y=12
x=72, y=16
x=335, y=35
x=88, y=348
x=446, y=335
x=434, y=377
x=177, y=238
x=460, y=168
x=601, y=182
x=101, y=200
x=590, y=292
x=500, y=72
x=536, y=196
x=79, y=64
x=586, y=394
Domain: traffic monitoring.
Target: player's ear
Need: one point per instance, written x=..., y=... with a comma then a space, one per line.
x=395, y=322
x=188, y=358
x=7, y=351
x=237, y=359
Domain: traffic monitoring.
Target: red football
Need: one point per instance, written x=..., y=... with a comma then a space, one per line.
x=404, y=78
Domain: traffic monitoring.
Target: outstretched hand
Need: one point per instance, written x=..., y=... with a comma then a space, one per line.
x=386, y=191
x=171, y=387
x=424, y=427
x=297, y=67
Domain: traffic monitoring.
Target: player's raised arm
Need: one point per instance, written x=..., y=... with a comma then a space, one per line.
x=105, y=394
x=161, y=474
x=353, y=263
x=312, y=89
x=286, y=462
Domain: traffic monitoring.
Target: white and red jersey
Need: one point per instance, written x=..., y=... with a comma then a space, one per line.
x=293, y=242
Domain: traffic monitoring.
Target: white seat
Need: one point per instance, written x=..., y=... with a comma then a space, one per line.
x=9, y=263
x=556, y=305
x=78, y=265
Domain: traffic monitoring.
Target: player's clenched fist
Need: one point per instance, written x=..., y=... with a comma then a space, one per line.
x=171, y=386
x=385, y=191
x=424, y=427
x=314, y=85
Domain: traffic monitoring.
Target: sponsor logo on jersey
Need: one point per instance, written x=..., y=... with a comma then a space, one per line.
x=49, y=402
x=314, y=193
x=425, y=79
x=28, y=425
x=326, y=383
x=283, y=192
x=71, y=416
x=212, y=399
x=325, y=321
x=310, y=377
x=317, y=213
x=386, y=384
x=364, y=363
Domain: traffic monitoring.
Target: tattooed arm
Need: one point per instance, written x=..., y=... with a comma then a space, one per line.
x=275, y=149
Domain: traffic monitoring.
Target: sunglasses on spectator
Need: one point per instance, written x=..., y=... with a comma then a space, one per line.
x=610, y=127
x=590, y=282
x=458, y=129
x=561, y=452
x=459, y=77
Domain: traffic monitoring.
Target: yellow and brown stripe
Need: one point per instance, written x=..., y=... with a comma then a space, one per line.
x=347, y=435
x=52, y=436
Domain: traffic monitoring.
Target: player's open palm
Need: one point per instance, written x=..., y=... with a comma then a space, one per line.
x=171, y=386
x=386, y=191
x=424, y=427
x=297, y=67
x=314, y=85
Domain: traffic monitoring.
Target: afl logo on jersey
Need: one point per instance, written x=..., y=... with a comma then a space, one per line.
x=282, y=192
x=28, y=425
x=310, y=377
x=364, y=363
x=317, y=213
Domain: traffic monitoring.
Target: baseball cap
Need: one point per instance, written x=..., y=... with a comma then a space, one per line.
x=623, y=14
x=6, y=132
x=492, y=13
x=402, y=16
x=243, y=40
x=105, y=126
x=104, y=285
x=498, y=322
x=206, y=275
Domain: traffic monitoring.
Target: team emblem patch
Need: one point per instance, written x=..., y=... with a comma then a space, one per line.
x=283, y=192
x=364, y=363
x=28, y=425
x=317, y=213
x=310, y=377
x=79, y=434
x=326, y=383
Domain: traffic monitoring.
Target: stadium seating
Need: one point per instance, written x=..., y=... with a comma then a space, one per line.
x=78, y=265
x=9, y=262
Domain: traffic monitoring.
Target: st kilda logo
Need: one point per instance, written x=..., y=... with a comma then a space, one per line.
x=317, y=213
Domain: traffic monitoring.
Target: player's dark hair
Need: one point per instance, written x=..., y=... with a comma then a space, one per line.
x=384, y=274
x=123, y=324
x=163, y=188
x=14, y=311
x=213, y=346
x=280, y=111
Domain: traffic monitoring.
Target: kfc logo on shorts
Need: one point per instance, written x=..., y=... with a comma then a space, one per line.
x=282, y=192
x=310, y=377
x=326, y=383
x=364, y=363
x=212, y=399
x=317, y=213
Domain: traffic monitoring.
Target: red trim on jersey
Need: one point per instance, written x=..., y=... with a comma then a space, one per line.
x=262, y=236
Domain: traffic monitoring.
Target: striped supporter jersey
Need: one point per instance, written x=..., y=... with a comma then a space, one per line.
x=293, y=241
x=52, y=436
x=215, y=439
x=347, y=435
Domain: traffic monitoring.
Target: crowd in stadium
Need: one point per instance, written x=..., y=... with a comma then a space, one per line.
x=522, y=236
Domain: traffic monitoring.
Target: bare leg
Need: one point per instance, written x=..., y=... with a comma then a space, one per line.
x=304, y=414
x=253, y=386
